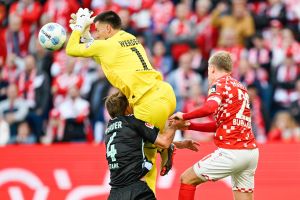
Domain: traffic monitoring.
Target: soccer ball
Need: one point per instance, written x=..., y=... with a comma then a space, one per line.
x=52, y=36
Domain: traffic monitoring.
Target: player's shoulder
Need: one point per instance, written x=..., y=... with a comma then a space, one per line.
x=234, y=83
x=217, y=86
x=133, y=120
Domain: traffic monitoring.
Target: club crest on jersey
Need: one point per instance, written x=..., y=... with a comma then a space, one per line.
x=149, y=125
x=213, y=89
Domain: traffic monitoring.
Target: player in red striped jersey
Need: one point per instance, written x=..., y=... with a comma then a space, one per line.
x=237, y=153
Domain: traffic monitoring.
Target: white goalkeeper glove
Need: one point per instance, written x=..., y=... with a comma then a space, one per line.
x=86, y=35
x=83, y=19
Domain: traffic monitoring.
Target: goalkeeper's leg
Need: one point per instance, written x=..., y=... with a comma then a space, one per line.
x=155, y=108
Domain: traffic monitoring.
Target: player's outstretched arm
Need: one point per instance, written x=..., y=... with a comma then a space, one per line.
x=83, y=21
x=204, y=127
x=188, y=125
x=207, y=109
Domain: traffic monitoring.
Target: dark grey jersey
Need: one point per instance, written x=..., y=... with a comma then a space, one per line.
x=124, y=141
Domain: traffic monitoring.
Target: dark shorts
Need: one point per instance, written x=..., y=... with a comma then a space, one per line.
x=136, y=191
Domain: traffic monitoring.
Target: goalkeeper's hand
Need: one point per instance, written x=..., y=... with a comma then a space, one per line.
x=83, y=19
x=86, y=35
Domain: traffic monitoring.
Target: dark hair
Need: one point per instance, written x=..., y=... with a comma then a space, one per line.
x=109, y=17
x=116, y=104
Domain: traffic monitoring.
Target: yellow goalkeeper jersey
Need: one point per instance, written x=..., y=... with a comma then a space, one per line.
x=123, y=60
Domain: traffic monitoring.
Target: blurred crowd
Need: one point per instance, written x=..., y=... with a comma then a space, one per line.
x=48, y=97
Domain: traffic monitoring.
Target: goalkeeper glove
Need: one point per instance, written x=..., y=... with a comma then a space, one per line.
x=86, y=35
x=83, y=19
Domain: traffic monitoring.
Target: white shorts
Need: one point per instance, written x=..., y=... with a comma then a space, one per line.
x=240, y=164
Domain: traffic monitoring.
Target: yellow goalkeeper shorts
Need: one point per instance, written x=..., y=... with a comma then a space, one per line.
x=155, y=107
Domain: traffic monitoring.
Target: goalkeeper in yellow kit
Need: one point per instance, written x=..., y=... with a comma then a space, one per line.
x=125, y=64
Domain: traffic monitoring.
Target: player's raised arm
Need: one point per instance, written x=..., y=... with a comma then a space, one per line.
x=77, y=49
x=80, y=23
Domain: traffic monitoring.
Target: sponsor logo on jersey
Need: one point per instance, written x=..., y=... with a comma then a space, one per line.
x=149, y=125
x=213, y=89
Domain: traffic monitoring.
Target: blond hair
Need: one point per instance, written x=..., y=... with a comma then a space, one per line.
x=222, y=60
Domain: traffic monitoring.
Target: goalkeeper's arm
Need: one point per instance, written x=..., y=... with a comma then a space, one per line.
x=78, y=49
x=80, y=23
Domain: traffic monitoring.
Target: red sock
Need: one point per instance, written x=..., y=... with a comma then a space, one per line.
x=186, y=192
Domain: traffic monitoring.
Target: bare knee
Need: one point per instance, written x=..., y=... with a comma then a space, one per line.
x=189, y=177
x=243, y=195
x=184, y=179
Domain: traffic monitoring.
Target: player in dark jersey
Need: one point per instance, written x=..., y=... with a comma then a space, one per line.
x=124, y=140
x=237, y=153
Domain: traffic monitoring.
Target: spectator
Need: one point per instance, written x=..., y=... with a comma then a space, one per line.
x=26, y=81
x=161, y=61
x=288, y=44
x=13, y=67
x=16, y=39
x=2, y=38
x=34, y=86
x=2, y=14
x=55, y=128
x=240, y=20
x=258, y=114
x=180, y=32
x=196, y=99
x=295, y=106
x=67, y=79
x=206, y=34
x=284, y=83
x=254, y=75
x=276, y=10
x=259, y=55
x=132, y=5
x=162, y=11
x=87, y=69
x=228, y=42
x=99, y=6
x=127, y=24
x=141, y=17
x=59, y=11
x=199, y=62
x=29, y=12
x=267, y=12
x=284, y=128
x=74, y=112
x=3, y=86
x=43, y=58
x=24, y=136
x=293, y=16
x=273, y=37
x=183, y=79
x=14, y=109
x=4, y=132
x=98, y=92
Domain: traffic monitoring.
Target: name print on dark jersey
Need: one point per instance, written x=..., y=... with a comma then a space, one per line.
x=124, y=142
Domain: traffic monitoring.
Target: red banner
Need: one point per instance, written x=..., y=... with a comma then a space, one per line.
x=79, y=172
